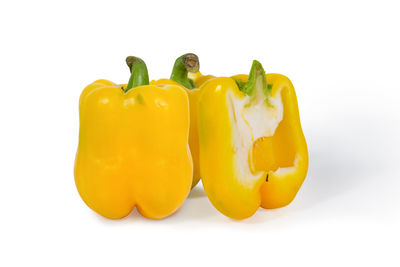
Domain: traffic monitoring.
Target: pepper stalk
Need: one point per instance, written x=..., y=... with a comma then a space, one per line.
x=183, y=65
x=139, y=74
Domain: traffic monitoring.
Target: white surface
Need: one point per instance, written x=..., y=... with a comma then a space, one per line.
x=343, y=59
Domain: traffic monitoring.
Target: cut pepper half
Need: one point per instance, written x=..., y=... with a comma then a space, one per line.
x=252, y=148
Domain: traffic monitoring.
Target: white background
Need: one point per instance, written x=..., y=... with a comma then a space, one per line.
x=343, y=59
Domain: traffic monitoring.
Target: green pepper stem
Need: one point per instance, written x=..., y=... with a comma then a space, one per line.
x=257, y=81
x=184, y=64
x=139, y=73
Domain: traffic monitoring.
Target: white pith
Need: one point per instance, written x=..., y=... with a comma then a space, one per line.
x=251, y=118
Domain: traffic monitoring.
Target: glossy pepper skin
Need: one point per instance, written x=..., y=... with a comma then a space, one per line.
x=183, y=67
x=252, y=148
x=133, y=147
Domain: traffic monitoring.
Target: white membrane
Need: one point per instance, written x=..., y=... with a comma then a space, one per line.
x=251, y=121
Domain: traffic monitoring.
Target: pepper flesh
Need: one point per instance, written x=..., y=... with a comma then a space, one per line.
x=133, y=149
x=252, y=148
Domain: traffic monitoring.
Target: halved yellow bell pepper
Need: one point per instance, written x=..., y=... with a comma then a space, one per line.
x=184, y=66
x=252, y=148
x=133, y=146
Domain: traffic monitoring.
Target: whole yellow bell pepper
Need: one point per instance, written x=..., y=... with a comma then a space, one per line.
x=252, y=148
x=183, y=67
x=133, y=146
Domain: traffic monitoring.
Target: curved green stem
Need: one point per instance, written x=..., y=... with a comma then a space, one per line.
x=184, y=64
x=139, y=73
x=257, y=82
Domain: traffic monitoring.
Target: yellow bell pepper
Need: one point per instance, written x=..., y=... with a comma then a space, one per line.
x=184, y=66
x=252, y=148
x=133, y=146
x=199, y=79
